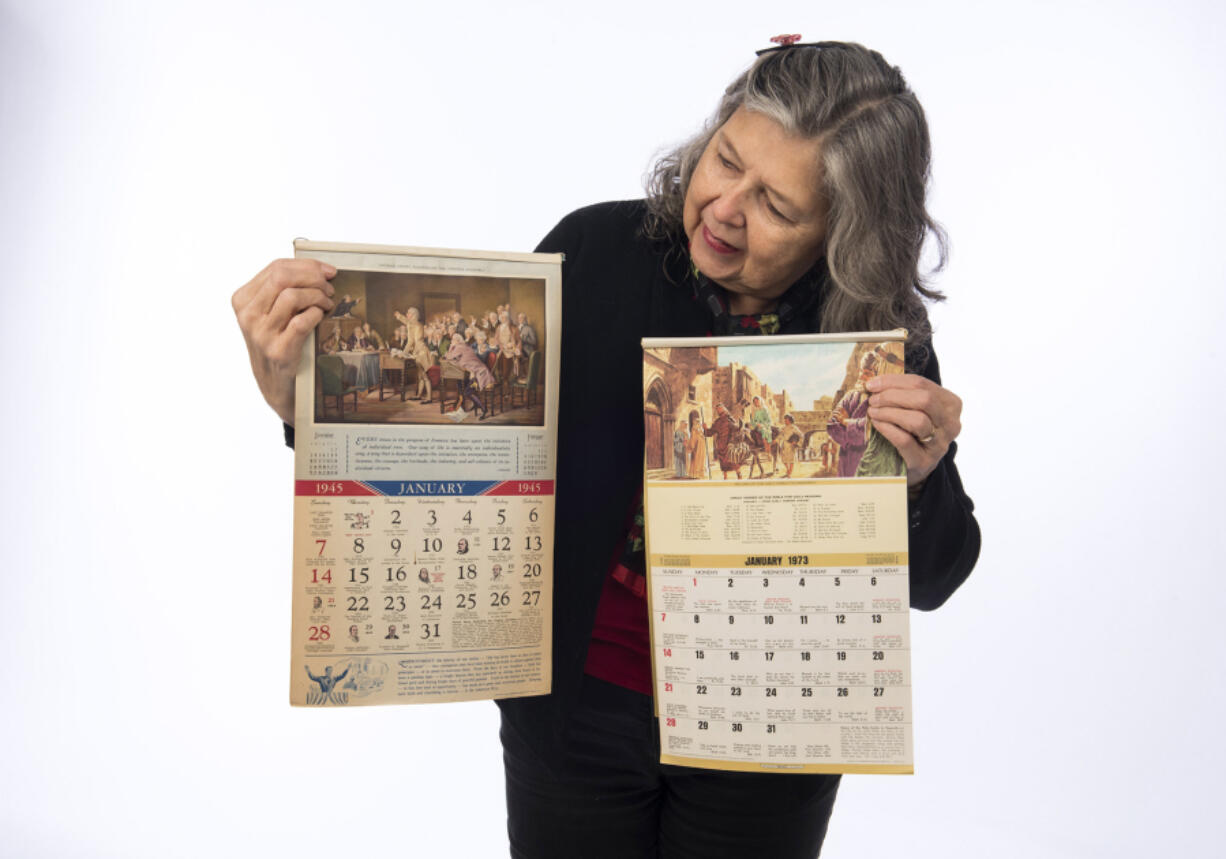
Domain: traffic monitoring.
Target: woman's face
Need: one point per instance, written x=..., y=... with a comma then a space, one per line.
x=754, y=212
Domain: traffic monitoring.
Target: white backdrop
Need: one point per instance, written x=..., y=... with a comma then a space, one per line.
x=153, y=156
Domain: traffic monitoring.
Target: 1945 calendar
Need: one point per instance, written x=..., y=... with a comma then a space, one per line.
x=424, y=478
x=776, y=523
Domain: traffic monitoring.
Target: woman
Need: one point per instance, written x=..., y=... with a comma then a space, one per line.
x=696, y=448
x=680, y=440
x=799, y=208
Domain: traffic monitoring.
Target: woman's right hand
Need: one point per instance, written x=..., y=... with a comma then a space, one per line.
x=277, y=310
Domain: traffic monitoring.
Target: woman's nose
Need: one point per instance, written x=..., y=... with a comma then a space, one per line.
x=729, y=206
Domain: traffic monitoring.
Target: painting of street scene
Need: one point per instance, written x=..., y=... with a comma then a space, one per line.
x=432, y=349
x=765, y=411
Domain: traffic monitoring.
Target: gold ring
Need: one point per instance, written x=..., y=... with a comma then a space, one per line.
x=928, y=438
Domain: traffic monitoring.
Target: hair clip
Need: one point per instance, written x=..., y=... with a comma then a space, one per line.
x=784, y=41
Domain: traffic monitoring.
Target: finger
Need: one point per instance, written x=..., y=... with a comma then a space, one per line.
x=899, y=380
x=920, y=459
x=286, y=347
x=907, y=398
x=248, y=292
x=917, y=423
x=304, y=323
x=286, y=274
x=292, y=302
x=913, y=453
x=943, y=407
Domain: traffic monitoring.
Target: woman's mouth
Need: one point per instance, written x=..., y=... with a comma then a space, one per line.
x=715, y=243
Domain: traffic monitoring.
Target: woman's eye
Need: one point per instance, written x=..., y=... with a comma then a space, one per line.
x=778, y=214
x=727, y=165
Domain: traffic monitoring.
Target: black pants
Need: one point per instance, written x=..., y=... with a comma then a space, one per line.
x=612, y=797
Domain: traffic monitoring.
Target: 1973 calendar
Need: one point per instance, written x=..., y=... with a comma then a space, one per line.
x=776, y=523
x=424, y=478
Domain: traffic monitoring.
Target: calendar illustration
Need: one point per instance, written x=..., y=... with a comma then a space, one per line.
x=776, y=528
x=425, y=431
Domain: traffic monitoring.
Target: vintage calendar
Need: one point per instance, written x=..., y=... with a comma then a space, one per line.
x=424, y=478
x=776, y=522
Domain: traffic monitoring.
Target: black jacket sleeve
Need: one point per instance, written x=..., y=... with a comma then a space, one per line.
x=944, y=536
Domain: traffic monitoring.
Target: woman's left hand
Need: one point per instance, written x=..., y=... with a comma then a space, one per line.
x=917, y=416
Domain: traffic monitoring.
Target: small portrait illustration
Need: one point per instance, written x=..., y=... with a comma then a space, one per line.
x=317, y=603
x=327, y=692
x=423, y=576
x=462, y=546
x=497, y=572
x=353, y=633
x=391, y=633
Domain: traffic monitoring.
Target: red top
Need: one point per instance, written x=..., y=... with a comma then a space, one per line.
x=620, y=650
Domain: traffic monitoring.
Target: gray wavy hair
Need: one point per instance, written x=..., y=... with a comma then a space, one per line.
x=876, y=160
